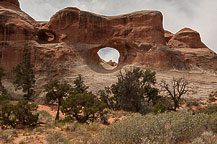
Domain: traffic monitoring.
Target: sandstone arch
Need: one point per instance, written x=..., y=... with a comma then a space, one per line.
x=127, y=56
x=46, y=36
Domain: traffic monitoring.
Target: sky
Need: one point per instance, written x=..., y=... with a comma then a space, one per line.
x=199, y=15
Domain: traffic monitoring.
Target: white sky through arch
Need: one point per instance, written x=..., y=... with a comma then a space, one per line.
x=108, y=54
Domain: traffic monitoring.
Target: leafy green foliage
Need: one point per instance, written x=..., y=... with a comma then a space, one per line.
x=210, y=109
x=107, y=97
x=4, y=99
x=56, y=91
x=80, y=87
x=18, y=115
x=82, y=107
x=132, y=90
x=24, y=75
x=81, y=104
x=159, y=107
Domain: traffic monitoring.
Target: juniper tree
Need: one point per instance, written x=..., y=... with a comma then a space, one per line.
x=56, y=91
x=24, y=75
x=132, y=90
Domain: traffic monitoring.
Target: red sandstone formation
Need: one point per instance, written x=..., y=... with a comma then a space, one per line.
x=186, y=38
x=111, y=63
x=168, y=35
x=73, y=37
x=14, y=3
x=76, y=26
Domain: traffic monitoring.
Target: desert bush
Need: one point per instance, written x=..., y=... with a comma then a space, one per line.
x=44, y=116
x=70, y=127
x=18, y=115
x=212, y=125
x=210, y=109
x=162, y=128
x=8, y=135
x=4, y=99
x=159, y=108
x=205, y=138
x=57, y=138
x=82, y=107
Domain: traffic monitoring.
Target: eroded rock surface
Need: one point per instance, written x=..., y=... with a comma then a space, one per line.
x=73, y=37
x=186, y=38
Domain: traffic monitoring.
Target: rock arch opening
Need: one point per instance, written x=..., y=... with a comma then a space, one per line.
x=46, y=36
x=109, y=57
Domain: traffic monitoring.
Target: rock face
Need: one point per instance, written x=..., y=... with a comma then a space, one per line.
x=73, y=37
x=168, y=35
x=75, y=26
x=10, y=2
x=186, y=38
x=16, y=29
x=111, y=63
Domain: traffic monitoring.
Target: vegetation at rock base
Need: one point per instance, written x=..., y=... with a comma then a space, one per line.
x=82, y=107
x=172, y=127
x=56, y=91
x=80, y=86
x=133, y=89
x=24, y=75
x=106, y=117
x=176, y=90
x=19, y=115
x=81, y=104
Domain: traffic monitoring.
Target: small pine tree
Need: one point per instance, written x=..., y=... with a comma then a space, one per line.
x=82, y=107
x=56, y=91
x=24, y=75
x=81, y=104
x=18, y=115
x=80, y=87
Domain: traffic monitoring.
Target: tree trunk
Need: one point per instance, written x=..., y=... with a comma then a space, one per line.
x=58, y=110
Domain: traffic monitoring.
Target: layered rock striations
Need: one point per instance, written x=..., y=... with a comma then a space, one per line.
x=73, y=37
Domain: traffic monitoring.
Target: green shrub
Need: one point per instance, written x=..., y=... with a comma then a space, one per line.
x=57, y=138
x=212, y=124
x=18, y=115
x=162, y=128
x=8, y=135
x=211, y=108
x=82, y=107
x=205, y=138
x=4, y=99
x=70, y=127
x=159, y=108
x=45, y=116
